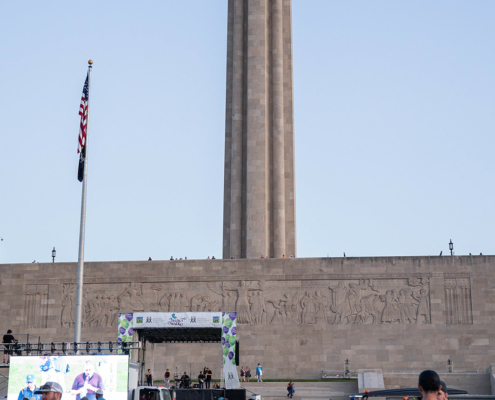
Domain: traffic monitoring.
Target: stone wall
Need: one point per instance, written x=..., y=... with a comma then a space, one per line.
x=297, y=316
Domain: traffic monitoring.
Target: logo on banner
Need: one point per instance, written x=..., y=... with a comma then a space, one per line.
x=148, y=320
x=230, y=376
x=216, y=320
x=176, y=321
x=193, y=320
x=139, y=320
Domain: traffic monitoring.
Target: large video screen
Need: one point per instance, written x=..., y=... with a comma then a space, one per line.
x=79, y=376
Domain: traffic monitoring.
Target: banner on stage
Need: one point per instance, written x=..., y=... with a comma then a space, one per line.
x=143, y=320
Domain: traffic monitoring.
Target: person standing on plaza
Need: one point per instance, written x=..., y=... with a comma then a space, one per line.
x=259, y=372
x=429, y=385
x=208, y=377
x=248, y=374
x=201, y=379
x=8, y=338
x=243, y=373
x=149, y=378
x=166, y=379
x=290, y=389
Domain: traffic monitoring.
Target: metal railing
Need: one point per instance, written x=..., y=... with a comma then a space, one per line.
x=68, y=348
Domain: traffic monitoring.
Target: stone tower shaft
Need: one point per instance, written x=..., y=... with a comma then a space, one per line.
x=259, y=189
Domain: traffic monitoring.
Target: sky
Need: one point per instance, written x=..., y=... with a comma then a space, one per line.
x=394, y=128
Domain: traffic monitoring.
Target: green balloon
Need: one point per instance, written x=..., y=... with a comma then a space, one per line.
x=129, y=338
x=228, y=323
x=125, y=324
x=224, y=360
x=124, y=338
x=232, y=340
x=227, y=338
x=233, y=361
x=225, y=350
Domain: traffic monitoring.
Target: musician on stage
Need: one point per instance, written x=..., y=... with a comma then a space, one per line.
x=185, y=381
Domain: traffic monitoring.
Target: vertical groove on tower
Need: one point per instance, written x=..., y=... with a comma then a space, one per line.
x=289, y=153
x=237, y=130
x=278, y=198
x=227, y=190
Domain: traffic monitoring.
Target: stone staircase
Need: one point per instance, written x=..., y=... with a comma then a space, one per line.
x=304, y=390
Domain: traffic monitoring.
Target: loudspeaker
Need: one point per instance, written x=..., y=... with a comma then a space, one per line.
x=237, y=355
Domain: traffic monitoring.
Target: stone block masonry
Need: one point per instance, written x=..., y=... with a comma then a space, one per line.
x=297, y=316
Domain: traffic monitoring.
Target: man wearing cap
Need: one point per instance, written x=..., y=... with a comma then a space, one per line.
x=29, y=390
x=87, y=383
x=50, y=391
x=99, y=394
x=429, y=385
x=442, y=393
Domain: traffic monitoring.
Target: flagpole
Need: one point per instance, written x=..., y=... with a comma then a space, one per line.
x=80, y=259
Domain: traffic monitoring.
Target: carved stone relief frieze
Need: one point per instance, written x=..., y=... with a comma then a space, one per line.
x=36, y=306
x=260, y=302
x=366, y=301
x=458, y=303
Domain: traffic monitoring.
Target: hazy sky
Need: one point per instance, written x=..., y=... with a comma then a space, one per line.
x=394, y=128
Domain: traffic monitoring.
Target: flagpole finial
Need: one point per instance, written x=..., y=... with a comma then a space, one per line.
x=90, y=62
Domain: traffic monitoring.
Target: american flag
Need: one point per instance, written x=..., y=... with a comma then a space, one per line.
x=83, y=112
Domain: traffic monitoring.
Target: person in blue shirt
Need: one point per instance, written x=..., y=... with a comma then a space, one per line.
x=29, y=390
x=259, y=372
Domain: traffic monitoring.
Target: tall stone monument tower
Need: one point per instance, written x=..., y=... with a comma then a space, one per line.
x=259, y=190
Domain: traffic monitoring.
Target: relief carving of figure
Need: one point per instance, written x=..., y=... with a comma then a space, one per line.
x=278, y=314
x=67, y=317
x=240, y=294
x=164, y=302
x=207, y=304
x=257, y=308
x=308, y=304
x=348, y=307
x=423, y=307
x=368, y=309
x=391, y=312
x=196, y=302
x=321, y=307
x=407, y=306
x=131, y=299
x=184, y=303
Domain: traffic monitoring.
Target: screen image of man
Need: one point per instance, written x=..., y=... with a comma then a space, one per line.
x=50, y=391
x=87, y=383
x=29, y=390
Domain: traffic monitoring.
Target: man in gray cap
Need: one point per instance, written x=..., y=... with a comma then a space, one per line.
x=50, y=391
x=99, y=394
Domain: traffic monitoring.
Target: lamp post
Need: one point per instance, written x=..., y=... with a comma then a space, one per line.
x=54, y=254
x=451, y=247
